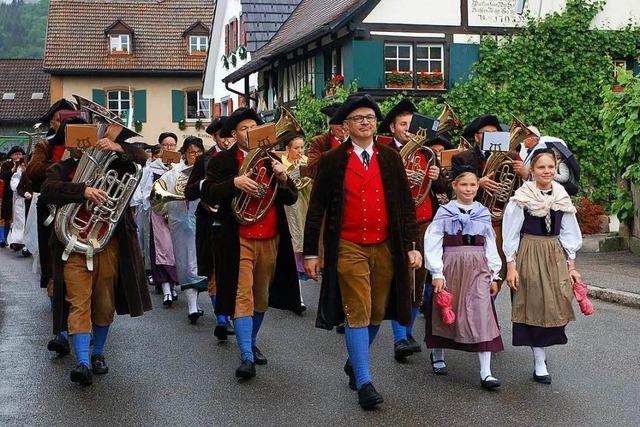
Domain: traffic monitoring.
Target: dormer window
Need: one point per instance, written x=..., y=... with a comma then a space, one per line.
x=198, y=43
x=120, y=37
x=120, y=43
x=197, y=38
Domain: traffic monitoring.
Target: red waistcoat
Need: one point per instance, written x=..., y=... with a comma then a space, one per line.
x=267, y=227
x=364, y=218
x=424, y=212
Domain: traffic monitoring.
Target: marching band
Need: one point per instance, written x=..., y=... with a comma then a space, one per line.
x=425, y=219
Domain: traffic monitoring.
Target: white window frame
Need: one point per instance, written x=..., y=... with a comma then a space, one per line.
x=397, y=58
x=120, y=100
x=430, y=60
x=198, y=43
x=120, y=42
x=203, y=105
x=618, y=63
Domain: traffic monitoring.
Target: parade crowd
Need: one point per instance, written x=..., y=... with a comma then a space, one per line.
x=387, y=224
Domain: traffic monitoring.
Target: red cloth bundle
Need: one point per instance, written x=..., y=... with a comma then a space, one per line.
x=444, y=299
x=580, y=292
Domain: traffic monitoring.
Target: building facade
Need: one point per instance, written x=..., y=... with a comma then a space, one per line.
x=141, y=60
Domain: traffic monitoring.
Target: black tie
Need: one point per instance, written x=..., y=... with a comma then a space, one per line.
x=365, y=159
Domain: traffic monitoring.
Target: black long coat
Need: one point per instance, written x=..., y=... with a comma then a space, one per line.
x=204, y=217
x=132, y=290
x=218, y=189
x=328, y=198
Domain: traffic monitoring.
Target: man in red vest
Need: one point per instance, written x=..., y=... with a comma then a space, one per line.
x=370, y=229
x=256, y=264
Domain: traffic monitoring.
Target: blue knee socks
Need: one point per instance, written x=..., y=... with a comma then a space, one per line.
x=221, y=319
x=257, y=322
x=358, y=348
x=414, y=315
x=81, y=348
x=244, y=330
x=399, y=331
x=99, y=338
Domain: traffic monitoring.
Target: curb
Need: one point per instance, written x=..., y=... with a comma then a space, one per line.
x=628, y=299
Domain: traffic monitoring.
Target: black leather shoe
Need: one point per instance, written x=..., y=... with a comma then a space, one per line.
x=246, y=370
x=60, y=345
x=98, y=365
x=438, y=371
x=220, y=332
x=490, y=383
x=230, y=330
x=174, y=295
x=401, y=350
x=258, y=357
x=26, y=253
x=167, y=301
x=193, y=317
x=81, y=374
x=413, y=344
x=542, y=379
x=368, y=397
x=348, y=369
x=3, y=244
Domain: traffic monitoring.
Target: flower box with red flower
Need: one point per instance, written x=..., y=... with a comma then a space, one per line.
x=432, y=81
x=399, y=79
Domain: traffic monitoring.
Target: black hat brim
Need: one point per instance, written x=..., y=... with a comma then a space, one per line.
x=405, y=105
x=216, y=125
x=59, y=105
x=330, y=110
x=236, y=117
x=353, y=102
x=442, y=141
x=16, y=149
x=477, y=124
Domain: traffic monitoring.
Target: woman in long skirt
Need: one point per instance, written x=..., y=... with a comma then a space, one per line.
x=461, y=254
x=540, y=239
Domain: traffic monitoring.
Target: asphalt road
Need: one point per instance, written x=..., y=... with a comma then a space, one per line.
x=164, y=371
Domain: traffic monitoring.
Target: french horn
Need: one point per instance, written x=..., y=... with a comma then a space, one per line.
x=501, y=165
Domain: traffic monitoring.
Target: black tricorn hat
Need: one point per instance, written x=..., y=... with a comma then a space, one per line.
x=354, y=101
x=479, y=123
x=236, y=117
x=442, y=141
x=330, y=110
x=216, y=125
x=61, y=104
x=401, y=107
x=16, y=149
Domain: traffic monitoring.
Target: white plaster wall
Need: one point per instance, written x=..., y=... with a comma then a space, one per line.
x=417, y=12
x=617, y=14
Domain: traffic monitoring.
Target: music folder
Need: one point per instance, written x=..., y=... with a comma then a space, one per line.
x=262, y=136
x=81, y=136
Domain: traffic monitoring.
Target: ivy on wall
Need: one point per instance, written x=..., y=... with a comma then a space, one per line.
x=549, y=74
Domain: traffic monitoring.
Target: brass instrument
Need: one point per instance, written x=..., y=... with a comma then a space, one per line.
x=287, y=128
x=38, y=134
x=417, y=159
x=248, y=208
x=85, y=227
x=160, y=194
x=501, y=165
x=448, y=122
x=301, y=182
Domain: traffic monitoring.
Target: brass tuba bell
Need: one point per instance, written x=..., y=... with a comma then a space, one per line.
x=448, y=122
x=287, y=128
x=417, y=159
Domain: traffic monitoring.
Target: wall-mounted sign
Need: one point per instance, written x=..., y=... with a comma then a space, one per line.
x=494, y=13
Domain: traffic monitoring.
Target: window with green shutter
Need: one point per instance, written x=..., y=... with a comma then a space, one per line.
x=140, y=105
x=177, y=105
x=97, y=96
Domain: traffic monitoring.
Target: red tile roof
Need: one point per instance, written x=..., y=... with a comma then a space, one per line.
x=76, y=41
x=23, y=77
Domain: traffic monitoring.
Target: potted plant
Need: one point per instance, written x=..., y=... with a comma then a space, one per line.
x=428, y=80
x=225, y=62
x=199, y=125
x=182, y=124
x=399, y=79
x=242, y=52
x=138, y=126
x=337, y=81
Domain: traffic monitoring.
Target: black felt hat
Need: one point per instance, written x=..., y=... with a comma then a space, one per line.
x=61, y=104
x=442, y=141
x=404, y=106
x=479, y=123
x=236, y=117
x=330, y=110
x=354, y=101
x=216, y=125
x=458, y=170
x=16, y=149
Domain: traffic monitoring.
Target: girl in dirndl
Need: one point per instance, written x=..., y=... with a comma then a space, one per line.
x=461, y=254
x=540, y=239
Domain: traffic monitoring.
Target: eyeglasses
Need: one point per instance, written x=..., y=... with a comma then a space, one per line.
x=360, y=119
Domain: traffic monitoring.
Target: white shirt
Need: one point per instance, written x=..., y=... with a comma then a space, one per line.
x=433, y=251
x=359, y=150
x=398, y=144
x=570, y=236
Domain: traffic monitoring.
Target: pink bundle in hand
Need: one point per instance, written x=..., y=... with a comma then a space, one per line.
x=444, y=299
x=580, y=292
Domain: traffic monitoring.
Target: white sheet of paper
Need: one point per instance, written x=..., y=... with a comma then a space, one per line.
x=495, y=141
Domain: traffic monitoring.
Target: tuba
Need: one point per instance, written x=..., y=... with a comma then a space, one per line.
x=417, y=159
x=85, y=227
x=501, y=165
x=287, y=128
x=448, y=122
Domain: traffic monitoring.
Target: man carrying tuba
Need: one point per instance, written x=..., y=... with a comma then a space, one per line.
x=255, y=251
x=117, y=282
